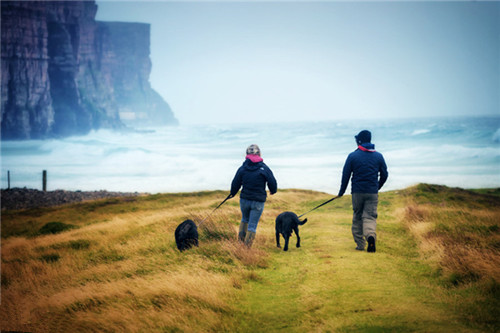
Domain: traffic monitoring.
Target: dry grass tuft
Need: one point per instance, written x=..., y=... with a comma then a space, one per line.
x=252, y=276
x=465, y=263
x=464, y=239
x=216, y=229
x=416, y=213
x=253, y=257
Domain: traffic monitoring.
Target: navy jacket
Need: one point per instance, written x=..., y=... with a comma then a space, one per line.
x=365, y=168
x=253, y=177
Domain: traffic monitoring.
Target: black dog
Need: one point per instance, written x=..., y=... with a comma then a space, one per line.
x=286, y=223
x=186, y=235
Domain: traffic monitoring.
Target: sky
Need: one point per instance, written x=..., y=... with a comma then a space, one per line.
x=263, y=61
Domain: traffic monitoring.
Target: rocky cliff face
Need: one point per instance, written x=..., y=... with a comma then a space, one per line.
x=126, y=45
x=64, y=74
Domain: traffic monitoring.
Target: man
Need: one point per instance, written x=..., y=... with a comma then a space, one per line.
x=365, y=165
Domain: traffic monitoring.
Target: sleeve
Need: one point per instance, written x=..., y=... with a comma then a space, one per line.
x=271, y=181
x=236, y=183
x=346, y=175
x=383, y=173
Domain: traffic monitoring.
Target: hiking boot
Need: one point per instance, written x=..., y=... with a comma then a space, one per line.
x=249, y=238
x=371, y=244
x=243, y=231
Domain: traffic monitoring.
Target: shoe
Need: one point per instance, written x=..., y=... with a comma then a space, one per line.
x=359, y=248
x=249, y=238
x=371, y=244
x=242, y=232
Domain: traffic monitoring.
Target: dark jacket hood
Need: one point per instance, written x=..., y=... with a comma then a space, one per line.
x=251, y=166
x=368, y=145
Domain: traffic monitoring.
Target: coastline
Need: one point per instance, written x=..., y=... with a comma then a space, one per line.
x=25, y=198
x=182, y=159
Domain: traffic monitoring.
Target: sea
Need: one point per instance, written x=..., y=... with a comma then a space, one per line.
x=455, y=151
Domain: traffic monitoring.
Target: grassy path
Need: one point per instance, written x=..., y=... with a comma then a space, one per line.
x=327, y=286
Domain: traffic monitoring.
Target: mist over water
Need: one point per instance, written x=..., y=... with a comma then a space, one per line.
x=463, y=152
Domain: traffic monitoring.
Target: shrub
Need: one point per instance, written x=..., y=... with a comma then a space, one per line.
x=55, y=228
x=50, y=257
x=79, y=244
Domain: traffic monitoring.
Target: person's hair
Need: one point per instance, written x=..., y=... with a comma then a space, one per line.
x=253, y=150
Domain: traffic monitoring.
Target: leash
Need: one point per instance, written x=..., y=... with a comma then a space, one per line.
x=227, y=198
x=324, y=203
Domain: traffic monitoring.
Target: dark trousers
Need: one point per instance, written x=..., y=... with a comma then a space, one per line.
x=364, y=219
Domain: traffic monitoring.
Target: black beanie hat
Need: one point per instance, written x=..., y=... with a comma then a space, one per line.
x=364, y=137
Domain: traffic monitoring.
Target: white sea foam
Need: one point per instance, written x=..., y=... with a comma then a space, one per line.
x=309, y=156
x=420, y=131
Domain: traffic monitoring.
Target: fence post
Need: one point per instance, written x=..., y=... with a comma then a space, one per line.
x=45, y=180
x=8, y=179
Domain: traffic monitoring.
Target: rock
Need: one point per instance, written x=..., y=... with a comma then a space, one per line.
x=24, y=198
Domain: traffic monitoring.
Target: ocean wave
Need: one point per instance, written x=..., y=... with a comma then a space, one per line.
x=496, y=136
x=306, y=155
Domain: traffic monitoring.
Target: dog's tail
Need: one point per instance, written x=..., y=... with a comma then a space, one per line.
x=302, y=222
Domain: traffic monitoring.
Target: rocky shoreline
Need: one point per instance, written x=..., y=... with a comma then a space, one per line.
x=24, y=198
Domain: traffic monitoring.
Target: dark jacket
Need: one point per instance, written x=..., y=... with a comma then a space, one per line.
x=253, y=177
x=365, y=165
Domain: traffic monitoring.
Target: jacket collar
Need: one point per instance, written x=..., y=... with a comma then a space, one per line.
x=369, y=147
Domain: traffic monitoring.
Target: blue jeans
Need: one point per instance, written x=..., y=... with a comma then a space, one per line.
x=251, y=212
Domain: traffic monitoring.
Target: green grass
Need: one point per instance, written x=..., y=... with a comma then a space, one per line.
x=118, y=269
x=326, y=286
x=54, y=228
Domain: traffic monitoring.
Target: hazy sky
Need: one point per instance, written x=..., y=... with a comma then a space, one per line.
x=216, y=62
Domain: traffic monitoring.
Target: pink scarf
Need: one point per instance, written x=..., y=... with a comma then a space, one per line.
x=254, y=158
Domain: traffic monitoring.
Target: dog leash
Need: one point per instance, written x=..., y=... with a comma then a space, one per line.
x=324, y=203
x=227, y=198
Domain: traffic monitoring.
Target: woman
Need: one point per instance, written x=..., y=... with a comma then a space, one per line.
x=253, y=175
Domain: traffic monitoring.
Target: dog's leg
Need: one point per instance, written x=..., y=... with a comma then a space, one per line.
x=287, y=238
x=296, y=229
x=278, y=239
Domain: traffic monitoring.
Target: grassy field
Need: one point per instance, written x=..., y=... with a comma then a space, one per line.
x=112, y=266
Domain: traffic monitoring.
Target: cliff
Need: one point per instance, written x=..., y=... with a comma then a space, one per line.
x=63, y=73
x=126, y=45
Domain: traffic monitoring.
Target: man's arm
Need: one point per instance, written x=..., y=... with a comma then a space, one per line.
x=383, y=173
x=346, y=175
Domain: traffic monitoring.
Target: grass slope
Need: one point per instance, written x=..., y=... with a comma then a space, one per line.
x=112, y=265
